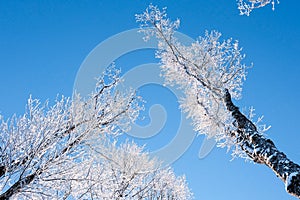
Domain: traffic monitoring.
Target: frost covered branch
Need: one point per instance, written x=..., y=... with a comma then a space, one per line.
x=125, y=172
x=69, y=150
x=246, y=6
x=210, y=73
x=46, y=139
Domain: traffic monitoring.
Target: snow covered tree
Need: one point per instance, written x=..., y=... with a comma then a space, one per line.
x=246, y=6
x=210, y=72
x=53, y=152
x=125, y=172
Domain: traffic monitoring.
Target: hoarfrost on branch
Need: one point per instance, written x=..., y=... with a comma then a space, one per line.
x=62, y=150
x=210, y=72
x=246, y=6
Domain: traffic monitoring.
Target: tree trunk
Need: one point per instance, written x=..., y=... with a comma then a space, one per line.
x=263, y=150
x=17, y=186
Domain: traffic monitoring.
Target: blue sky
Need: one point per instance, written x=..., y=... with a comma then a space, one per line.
x=43, y=44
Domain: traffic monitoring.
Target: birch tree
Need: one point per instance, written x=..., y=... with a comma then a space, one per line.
x=58, y=151
x=210, y=72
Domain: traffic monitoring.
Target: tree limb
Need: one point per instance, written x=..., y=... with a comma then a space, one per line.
x=17, y=186
x=263, y=150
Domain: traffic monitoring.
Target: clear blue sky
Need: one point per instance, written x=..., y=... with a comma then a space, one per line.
x=43, y=43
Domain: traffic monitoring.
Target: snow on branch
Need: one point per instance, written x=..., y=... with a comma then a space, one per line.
x=47, y=139
x=126, y=172
x=202, y=70
x=69, y=150
x=246, y=6
x=210, y=72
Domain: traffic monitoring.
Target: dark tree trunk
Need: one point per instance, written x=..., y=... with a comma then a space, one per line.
x=262, y=150
x=17, y=186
